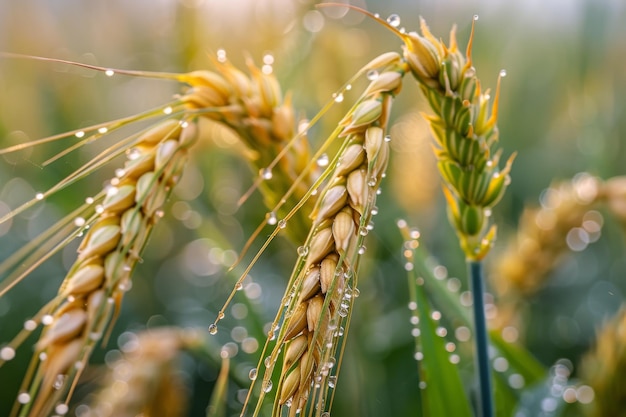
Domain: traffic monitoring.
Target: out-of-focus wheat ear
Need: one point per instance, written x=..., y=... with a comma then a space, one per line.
x=603, y=369
x=154, y=385
x=317, y=303
x=94, y=286
x=253, y=106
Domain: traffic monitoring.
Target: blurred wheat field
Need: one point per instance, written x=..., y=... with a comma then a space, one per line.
x=561, y=109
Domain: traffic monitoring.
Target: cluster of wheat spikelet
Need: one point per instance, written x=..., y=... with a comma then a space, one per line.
x=465, y=132
x=94, y=286
x=568, y=217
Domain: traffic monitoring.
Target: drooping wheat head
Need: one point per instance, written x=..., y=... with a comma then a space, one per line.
x=316, y=307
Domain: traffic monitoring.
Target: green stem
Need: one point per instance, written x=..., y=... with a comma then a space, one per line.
x=485, y=403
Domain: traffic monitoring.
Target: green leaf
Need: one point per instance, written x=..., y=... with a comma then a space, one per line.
x=443, y=393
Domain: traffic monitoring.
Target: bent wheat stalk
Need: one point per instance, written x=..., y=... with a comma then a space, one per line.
x=319, y=296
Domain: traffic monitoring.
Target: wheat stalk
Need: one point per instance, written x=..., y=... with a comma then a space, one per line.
x=323, y=285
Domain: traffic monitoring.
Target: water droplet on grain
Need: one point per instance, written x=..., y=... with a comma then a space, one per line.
x=394, y=20
x=61, y=409
x=79, y=134
x=387, y=138
x=475, y=17
x=267, y=386
x=252, y=374
x=23, y=398
x=47, y=319
x=238, y=286
x=167, y=110
x=372, y=75
x=7, y=353
x=109, y=73
x=103, y=130
x=271, y=218
x=338, y=98
x=303, y=250
x=39, y=196
x=282, y=223
x=212, y=328
x=323, y=160
x=266, y=173
x=30, y=325
x=502, y=73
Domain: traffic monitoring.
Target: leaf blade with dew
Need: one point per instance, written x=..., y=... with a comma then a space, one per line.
x=440, y=378
x=446, y=299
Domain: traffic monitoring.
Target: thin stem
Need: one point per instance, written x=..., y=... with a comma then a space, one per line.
x=485, y=403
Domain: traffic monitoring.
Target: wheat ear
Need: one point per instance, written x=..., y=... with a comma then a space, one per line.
x=147, y=373
x=323, y=285
x=94, y=286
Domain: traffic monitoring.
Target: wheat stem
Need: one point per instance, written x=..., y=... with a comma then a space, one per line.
x=481, y=339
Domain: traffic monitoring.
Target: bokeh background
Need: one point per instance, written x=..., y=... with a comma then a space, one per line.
x=561, y=109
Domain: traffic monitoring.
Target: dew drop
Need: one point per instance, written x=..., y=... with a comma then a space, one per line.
x=58, y=381
x=323, y=160
x=436, y=315
x=325, y=414
x=372, y=75
x=109, y=73
x=267, y=361
x=39, y=196
x=89, y=200
x=61, y=409
x=303, y=250
x=503, y=73
x=266, y=173
x=167, y=110
x=103, y=130
x=79, y=134
x=338, y=97
x=271, y=218
x=252, y=374
x=394, y=20
x=7, y=353
x=221, y=55
x=213, y=328
x=282, y=223
x=418, y=356
x=362, y=250
x=95, y=336
x=30, y=325
x=475, y=17
x=363, y=231
x=23, y=398
x=267, y=386
x=356, y=292
x=387, y=138
x=332, y=381
x=238, y=286
x=412, y=306
x=47, y=319
x=220, y=315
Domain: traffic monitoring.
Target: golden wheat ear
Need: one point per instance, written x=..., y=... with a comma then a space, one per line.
x=308, y=330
